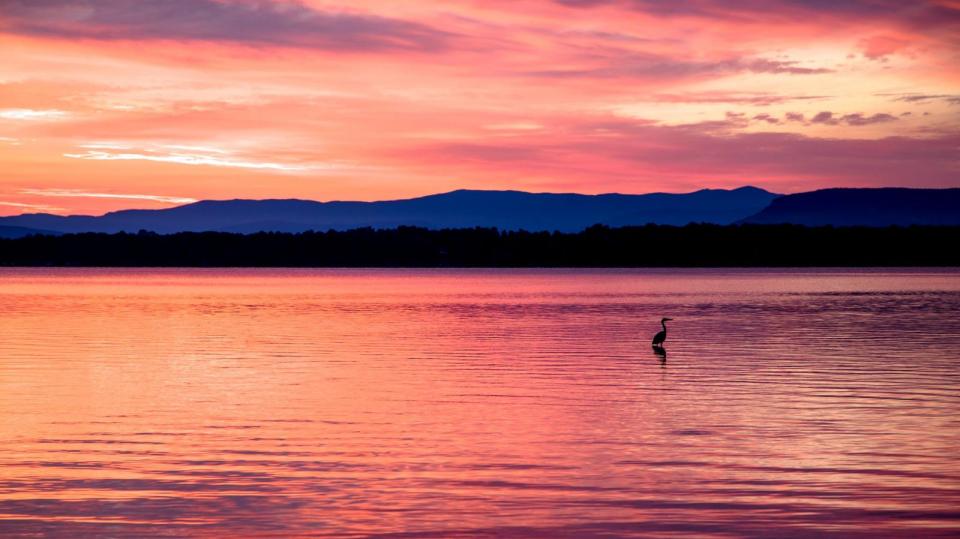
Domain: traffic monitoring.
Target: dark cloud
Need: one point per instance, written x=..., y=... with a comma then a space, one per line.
x=255, y=22
x=924, y=14
x=857, y=119
x=766, y=118
x=760, y=100
x=734, y=120
x=640, y=65
x=731, y=121
x=773, y=66
x=953, y=99
x=825, y=117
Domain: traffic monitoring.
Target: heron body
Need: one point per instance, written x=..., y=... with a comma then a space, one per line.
x=660, y=337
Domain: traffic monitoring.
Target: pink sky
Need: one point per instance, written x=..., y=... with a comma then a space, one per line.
x=109, y=104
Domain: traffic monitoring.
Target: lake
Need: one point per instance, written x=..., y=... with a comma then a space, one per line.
x=479, y=403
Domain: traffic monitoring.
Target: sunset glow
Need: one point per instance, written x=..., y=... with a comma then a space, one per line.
x=109, y=104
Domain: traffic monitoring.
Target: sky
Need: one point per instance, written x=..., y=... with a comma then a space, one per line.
x=111, y=104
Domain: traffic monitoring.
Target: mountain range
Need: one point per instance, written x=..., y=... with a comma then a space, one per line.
x=20, y=231
x=508, y=210
x=864, y=207
x=516, y=210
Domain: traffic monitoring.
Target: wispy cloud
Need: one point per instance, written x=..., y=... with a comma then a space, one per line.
x=199, y=156
x=953, y=99
x=31, y=114
x=734, y=98
x=515, y=126
x=655, y=66
x=257, y=22
x=37, y=207
x=77, y=193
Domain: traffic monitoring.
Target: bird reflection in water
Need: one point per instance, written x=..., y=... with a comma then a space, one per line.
x=661, y=352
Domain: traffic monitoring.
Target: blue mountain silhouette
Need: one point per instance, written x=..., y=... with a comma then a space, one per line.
x=864, y=207
x=20, y=232
x=507, y=210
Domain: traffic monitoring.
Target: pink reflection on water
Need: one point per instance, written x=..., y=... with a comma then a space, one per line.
x=476, y=402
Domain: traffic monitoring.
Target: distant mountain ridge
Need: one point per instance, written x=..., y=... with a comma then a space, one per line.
x=863, y=207
x=518, y=210
x=20, y=232
x=507, y=210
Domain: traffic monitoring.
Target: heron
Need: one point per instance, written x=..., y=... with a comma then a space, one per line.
x=661, y=336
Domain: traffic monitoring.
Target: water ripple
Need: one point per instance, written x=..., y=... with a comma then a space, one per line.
x=479, y=403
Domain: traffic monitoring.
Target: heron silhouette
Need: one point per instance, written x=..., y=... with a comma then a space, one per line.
x=661, y=336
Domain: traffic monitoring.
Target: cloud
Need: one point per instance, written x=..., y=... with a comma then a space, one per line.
x=775, y=66
x=632, y=153
x=76, y=193
x=608, y=36
x=953, y=99
x=178, y=154
x=731, y=121
x=825, y=117
x=756, y=99
x=254, y=22
x=36, y=207
x=739, y=120
x=914, y=13
x=859, y=119
x=514, y=126
x=766, y=118
x=856, y=119
x=879, y=47
x=644, y=65
x=31, y=114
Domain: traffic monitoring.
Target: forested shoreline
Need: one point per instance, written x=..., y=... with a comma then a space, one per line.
x=697, y=245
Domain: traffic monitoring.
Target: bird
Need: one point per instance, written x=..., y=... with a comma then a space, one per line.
x=661, y=336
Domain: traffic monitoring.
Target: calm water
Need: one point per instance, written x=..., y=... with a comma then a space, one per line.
x=280, y=403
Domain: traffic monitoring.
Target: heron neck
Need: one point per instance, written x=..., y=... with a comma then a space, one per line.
x=664, y=324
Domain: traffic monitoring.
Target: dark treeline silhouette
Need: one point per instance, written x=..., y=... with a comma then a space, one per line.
x=597, y=246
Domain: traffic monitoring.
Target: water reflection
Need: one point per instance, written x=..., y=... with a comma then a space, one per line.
x=661, y=352
x=475, y=403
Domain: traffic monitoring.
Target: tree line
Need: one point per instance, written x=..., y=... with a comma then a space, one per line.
x=598, y=246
